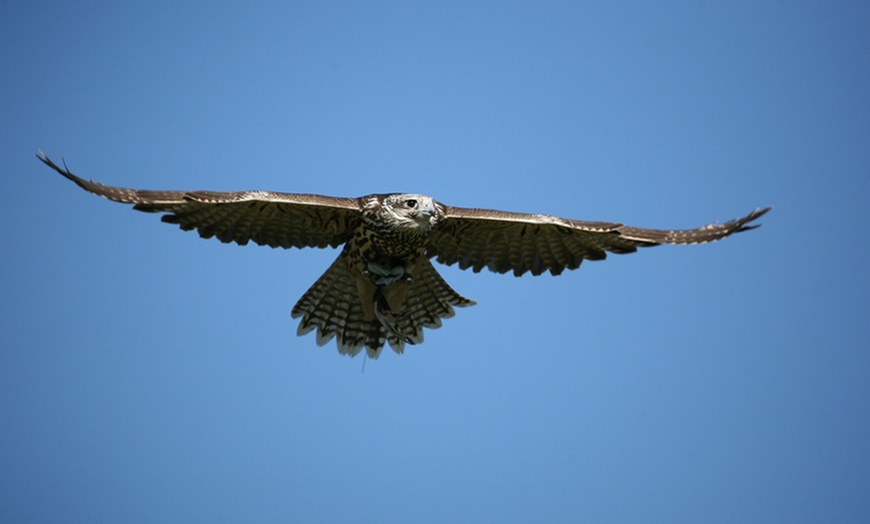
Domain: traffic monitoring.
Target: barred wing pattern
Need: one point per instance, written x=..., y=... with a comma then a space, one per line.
x=502, y=241
x=266, y=218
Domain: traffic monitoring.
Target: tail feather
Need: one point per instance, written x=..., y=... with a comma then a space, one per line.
x=429, y=300
x=333, y=306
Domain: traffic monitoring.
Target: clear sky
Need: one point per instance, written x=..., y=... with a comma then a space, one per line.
x=147, y=375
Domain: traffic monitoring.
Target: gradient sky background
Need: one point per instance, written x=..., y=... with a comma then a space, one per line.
x=147, y=375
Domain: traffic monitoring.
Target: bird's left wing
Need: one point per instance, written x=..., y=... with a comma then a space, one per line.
x=266, y=218
x=502, y=241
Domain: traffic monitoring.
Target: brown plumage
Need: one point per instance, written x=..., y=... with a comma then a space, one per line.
x=382, y=288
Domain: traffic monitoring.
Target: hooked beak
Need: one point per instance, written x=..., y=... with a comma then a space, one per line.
x=425, y=214
x=427, y=210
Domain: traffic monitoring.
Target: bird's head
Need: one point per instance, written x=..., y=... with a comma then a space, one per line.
x=411, y=211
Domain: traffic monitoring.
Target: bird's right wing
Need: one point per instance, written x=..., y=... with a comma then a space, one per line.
x=266, y=218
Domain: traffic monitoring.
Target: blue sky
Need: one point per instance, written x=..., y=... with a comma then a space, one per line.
x=150, y=376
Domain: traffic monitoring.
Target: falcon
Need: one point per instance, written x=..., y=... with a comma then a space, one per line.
x=383, y=288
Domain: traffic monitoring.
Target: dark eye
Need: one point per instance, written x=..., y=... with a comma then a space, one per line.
x=411, y=203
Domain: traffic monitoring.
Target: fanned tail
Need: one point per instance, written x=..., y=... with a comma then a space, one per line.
x=334, y=307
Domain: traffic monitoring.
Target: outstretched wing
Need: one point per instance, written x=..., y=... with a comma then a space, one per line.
x=266, y=218
x=501, y=241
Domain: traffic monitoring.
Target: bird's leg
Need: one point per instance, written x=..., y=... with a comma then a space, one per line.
x=385, y=272
x=382, y=309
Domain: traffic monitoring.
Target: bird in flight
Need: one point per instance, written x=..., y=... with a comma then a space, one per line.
x=383, y=288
